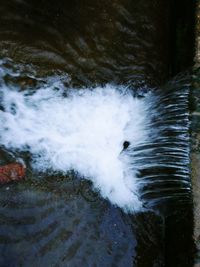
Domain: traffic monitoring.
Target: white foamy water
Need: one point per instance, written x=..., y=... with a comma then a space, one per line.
x=84, y=131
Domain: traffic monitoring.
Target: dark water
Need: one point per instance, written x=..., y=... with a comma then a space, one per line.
x=93, y=41
x=60, y=221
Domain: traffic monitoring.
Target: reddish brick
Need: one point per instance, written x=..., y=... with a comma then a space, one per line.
x=11, y=172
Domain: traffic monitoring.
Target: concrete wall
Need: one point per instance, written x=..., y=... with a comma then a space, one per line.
x=195, y=147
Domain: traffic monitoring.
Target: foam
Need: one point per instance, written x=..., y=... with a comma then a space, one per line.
x=83, y=131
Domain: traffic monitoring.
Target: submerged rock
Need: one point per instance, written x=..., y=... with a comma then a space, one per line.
x=11, y=172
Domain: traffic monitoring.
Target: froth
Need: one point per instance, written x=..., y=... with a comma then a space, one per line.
x=83, y=130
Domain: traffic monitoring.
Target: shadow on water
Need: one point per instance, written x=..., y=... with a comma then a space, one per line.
x=92, y=41
x=59, y=221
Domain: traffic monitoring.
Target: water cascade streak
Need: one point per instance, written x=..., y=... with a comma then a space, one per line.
x=164, y=161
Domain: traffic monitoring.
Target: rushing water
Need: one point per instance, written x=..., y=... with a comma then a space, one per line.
x=107, y=152
x=82, y=131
